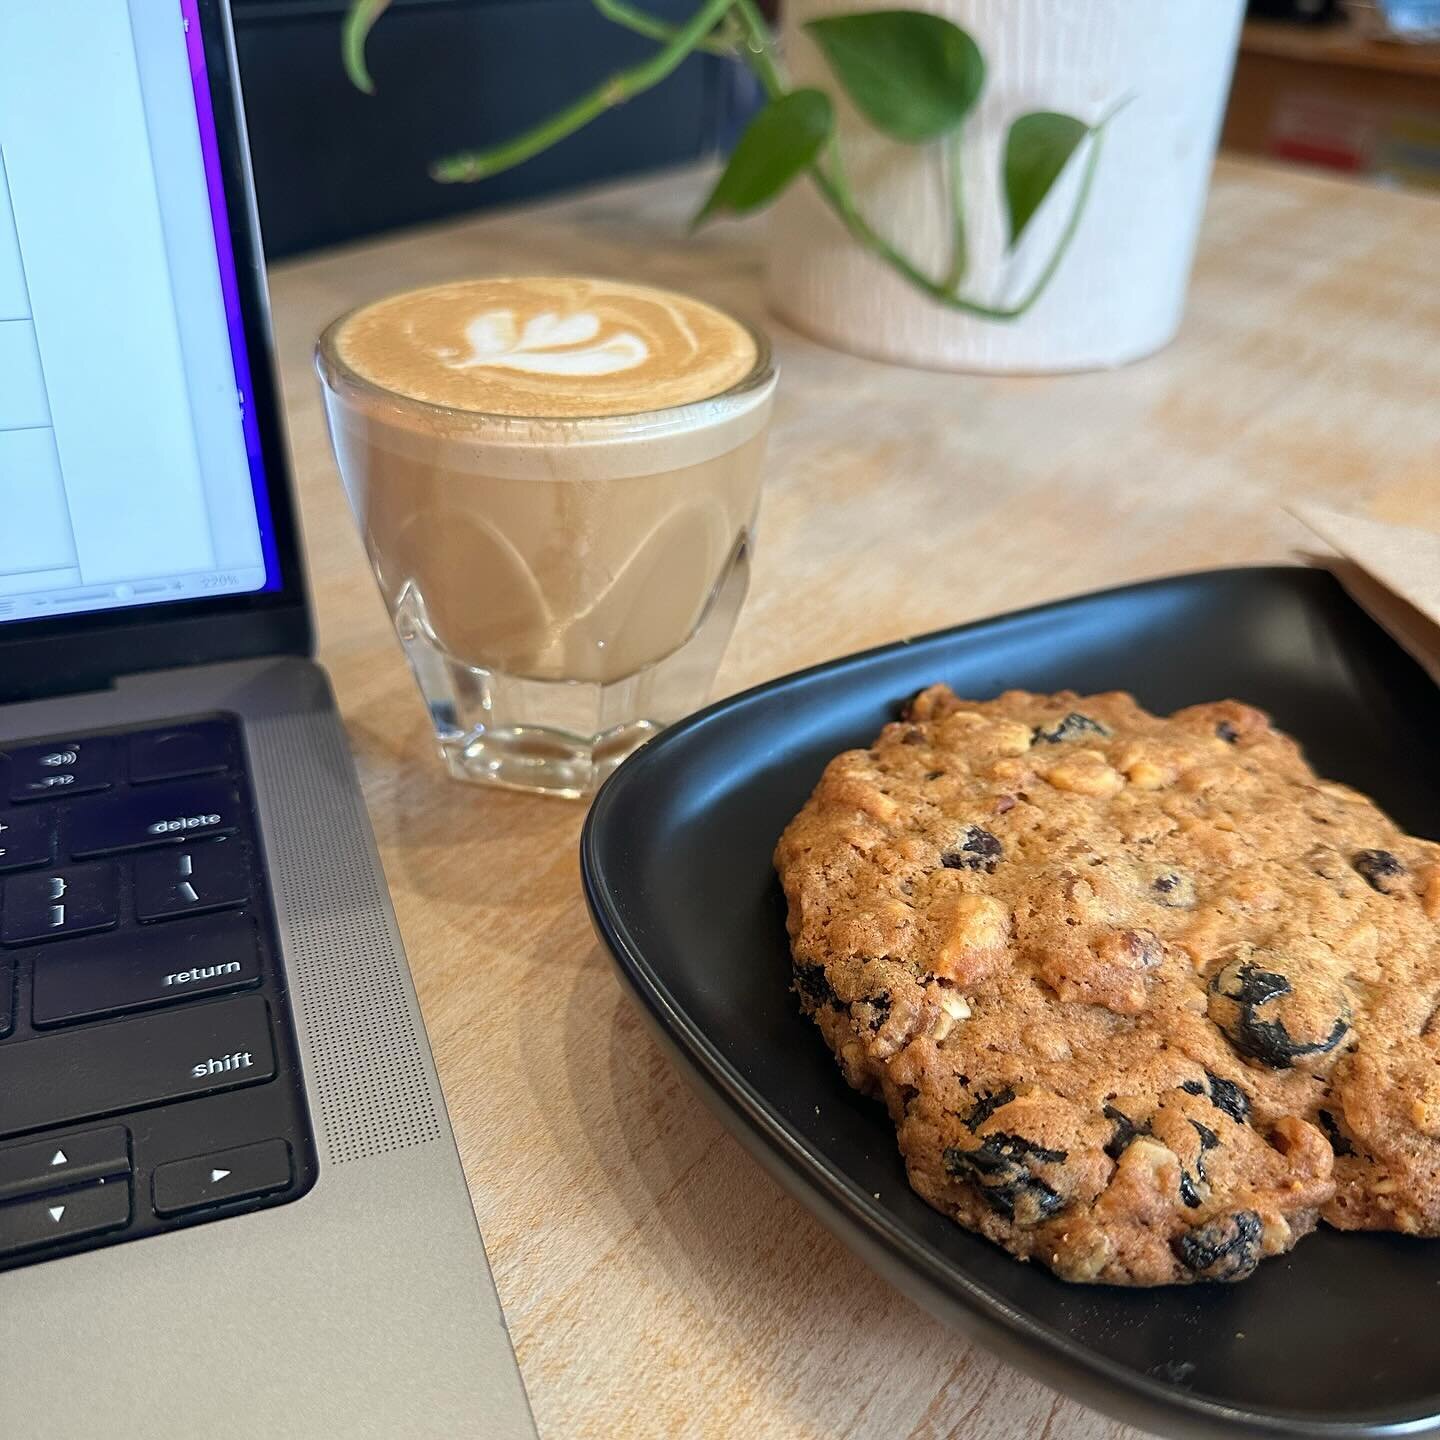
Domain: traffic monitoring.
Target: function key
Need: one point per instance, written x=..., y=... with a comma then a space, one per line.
x=27, y=837
x=53, y=1219
x=43, y=1166
x=62, y=767
x=185, y=750
x=54, y=904
x=186, y=880
x=181, y=810
x=226, y=1175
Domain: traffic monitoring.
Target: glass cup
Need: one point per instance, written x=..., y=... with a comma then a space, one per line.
x=563, y=588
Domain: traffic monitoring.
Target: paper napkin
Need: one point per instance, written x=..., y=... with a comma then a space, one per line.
x=1391, y=570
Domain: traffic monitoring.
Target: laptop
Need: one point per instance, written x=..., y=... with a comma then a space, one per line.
x=230, y=1197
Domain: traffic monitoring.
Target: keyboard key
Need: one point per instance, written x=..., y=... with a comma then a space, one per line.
x=226, y=1175
x=151, y=815
x=64, y=767
x=207, y=876
x=187, y=750
x=7, y=997
x=42, y=1167
x=27, y=837
x=133, y=970
x=54, y=904
x=53, y=1219
x=146, y=1060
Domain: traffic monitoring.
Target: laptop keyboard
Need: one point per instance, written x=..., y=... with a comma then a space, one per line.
x=148, y=1071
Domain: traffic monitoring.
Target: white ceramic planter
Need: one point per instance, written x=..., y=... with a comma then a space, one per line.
x=1120, y=289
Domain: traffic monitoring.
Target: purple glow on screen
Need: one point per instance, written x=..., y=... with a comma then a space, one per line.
x=229, y=285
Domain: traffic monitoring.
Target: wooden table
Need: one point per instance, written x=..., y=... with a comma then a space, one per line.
x=656, y=1282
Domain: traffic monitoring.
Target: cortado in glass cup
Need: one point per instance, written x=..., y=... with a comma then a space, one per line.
x=557, y=482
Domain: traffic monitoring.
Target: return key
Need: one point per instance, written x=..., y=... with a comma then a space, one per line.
x=111, y=974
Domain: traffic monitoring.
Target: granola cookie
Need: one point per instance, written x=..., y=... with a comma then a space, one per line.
x=1144, y=996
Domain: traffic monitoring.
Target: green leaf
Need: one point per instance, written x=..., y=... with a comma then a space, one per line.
x=1037, y=149
x=359, y=21
x=914, y=76
x=780, y=142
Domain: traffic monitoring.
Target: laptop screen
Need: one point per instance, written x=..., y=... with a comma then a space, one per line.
x=130, y=457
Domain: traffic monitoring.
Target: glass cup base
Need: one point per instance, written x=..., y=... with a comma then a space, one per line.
x=561, y=737
x=542, y=760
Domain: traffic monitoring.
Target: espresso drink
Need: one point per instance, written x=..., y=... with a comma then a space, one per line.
x=555, y=478
x=547, y=347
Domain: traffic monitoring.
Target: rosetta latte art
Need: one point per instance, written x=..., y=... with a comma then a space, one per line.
x=547, y=347
x=549, y=344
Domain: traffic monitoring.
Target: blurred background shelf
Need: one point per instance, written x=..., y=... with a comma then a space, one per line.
x=1331, y=95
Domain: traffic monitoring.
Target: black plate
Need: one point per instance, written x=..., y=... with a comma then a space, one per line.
x=1339, y=1338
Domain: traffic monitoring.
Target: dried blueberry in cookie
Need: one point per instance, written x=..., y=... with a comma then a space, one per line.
x=1278, y=1015
x=975, y=849
x=1380, y=869
x=1225, y=1248
x=986, y=1105
x=1126, y=1131
x=1173, y=890
x=1338, y=1143
x=1001, y=1165
x=1226, y=1095
x=814, y=985
x=1072, y=725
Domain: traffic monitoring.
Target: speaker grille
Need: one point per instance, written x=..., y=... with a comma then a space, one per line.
x=364, y=1048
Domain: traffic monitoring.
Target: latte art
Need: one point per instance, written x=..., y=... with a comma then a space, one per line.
x=542, y=346
x=549, y=344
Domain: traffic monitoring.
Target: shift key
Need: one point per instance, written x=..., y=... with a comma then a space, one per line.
x=129, y=1064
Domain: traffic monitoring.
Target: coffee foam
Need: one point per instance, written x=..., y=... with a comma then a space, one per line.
x=546, y=347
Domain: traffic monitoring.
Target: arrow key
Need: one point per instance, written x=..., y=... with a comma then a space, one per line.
x=52, y=1220
x=225, y=1176
x=42, y=1167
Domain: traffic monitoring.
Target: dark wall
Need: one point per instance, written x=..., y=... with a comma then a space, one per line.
x=332, y=164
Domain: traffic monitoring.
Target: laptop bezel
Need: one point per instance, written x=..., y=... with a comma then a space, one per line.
x=79, y=652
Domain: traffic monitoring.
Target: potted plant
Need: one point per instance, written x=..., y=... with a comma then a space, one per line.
x=1009, y=185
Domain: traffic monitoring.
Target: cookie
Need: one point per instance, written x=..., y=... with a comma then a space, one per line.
x=1145, y=998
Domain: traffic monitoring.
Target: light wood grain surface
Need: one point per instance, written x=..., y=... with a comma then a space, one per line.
x=656, y=1282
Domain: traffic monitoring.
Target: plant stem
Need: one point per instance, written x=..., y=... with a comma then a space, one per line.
x=758, y=50
x=631, y=17
x=620, y=87
x=959, y=250
x=842, y=202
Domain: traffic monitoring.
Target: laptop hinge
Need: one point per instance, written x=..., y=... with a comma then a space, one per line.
x=51, y=686
x=61, y=663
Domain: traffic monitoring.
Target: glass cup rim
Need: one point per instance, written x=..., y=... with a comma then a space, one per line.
x=329, y=364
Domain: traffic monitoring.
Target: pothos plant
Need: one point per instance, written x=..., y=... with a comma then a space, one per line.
x=915, y=77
